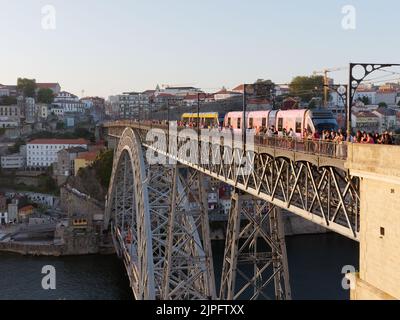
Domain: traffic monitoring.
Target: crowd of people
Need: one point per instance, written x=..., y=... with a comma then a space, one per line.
x=334, y=136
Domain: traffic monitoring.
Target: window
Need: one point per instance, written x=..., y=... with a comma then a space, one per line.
x=229, y=122
x=251, y=123
x=298, y=125
x=264, y=122
x=280, y=124
x=239, y=120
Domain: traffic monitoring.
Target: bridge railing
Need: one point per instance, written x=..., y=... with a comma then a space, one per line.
x=319, y=147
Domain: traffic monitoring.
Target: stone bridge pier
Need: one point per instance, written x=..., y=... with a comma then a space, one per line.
x=379, y=170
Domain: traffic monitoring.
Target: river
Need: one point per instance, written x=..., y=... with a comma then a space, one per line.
x=315, y=264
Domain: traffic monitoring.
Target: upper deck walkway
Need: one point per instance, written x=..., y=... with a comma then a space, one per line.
x=318, y=152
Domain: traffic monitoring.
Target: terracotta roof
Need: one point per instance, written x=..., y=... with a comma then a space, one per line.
x=46, y=85
x=88, y=156
x=59, y=141
x=368, y=114
x=26, y=208
x=239, y=88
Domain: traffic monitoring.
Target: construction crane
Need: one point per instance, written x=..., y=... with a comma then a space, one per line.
x=325, y=73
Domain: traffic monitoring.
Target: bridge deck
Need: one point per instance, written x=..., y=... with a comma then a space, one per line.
x=307, y=178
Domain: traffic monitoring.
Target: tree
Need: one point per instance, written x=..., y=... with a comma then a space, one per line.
x=307, y=87
x=382, y=105
x=45, y=95
x=365, y=100
x=8, y=101
x=16, y=147
x=312, y=104
x=27, y=87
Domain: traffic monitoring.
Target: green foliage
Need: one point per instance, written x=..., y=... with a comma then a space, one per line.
x=307, y=87
x=382, y=105
x=60, y=125
x=103, y=167
x=78, y=133
x=364, y=100
x=8, y=101
x=15, y=148
x=45, y=95
x=312, y=104
x=27, y=87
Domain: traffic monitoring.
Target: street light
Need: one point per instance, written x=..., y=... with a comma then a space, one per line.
x=199, y=94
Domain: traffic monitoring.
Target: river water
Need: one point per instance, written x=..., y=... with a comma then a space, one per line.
x=315, y=264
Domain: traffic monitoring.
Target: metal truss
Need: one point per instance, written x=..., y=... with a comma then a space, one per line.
x=355, y=81
x=255, y=260
x=128, y=214
x=154, y=230
x=189, y=272
x=324, y=194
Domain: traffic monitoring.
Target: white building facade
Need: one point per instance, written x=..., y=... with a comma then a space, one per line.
x=14, y=161
x=42, y=153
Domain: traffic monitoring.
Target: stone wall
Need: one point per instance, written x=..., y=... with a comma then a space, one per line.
x=378, y=166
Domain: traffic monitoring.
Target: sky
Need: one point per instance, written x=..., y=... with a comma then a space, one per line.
x=106, y=47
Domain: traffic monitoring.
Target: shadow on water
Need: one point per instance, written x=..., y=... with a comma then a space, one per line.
x=315, y=265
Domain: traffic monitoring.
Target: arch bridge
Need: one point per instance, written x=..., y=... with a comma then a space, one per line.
x=157, y=211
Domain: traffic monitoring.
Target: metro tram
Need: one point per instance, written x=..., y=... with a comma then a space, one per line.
x=207, y=119
x=297, y=120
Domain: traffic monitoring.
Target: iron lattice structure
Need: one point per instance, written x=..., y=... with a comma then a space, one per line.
x=169, y=256
x=255, y=252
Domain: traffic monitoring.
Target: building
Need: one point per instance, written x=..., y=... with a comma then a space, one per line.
x=366, y=93
x=3, y=202
x=12, y=210
x=365, y=121
x=55, y=87
x=57, y=111
x=224, y=94
x=8, y=91
x=84, y=160
x=10, y=116
x=69, y=102
x=178, y=91
x=387, y=118
x=10, y=111
x=30, y=110
x=13, y=161
x=43, y=111
x=212, y=199
x=4, y=91
x=42, y=153
x=225, y=204
x=131, y=104
x=387, y=96
x=25, y=212
x=65, y=161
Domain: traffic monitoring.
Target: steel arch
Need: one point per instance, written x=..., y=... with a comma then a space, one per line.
x=127, y=208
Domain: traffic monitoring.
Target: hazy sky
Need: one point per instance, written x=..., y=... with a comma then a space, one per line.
x=108, y=46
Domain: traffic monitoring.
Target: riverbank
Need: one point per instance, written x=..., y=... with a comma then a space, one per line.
x=315, y=267
x=48, y=248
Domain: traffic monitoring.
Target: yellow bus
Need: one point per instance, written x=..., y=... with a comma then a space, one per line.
x=206, y=118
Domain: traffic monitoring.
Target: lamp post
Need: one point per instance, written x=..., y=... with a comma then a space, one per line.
x=244, y=136
x=198, y=122
x=357, y=74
